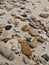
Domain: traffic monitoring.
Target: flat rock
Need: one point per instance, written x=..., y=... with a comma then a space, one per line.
x=33, y=32
x=25, y=27
x=33, y=43
x=44, y=15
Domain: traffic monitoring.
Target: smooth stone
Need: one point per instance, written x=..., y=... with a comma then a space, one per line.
x=8, y=27
x=44, y=36
x=33, y=32
x=40, y=40
x=44, y=15
x=25, y=48
x=33, y=43
x=25, y=28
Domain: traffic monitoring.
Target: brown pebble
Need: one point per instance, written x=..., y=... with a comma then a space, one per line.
x=33, y=43
x=34, y=20
x=25, y=48
x=23, y=19
x=33, y=32
x=40, y=39
x=44, y=15
x=25, y=28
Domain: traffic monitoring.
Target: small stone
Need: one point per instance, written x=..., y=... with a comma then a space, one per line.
x=23, y=19
x=33, y=43
x=22, y=8
x=6, y=52
x=44, y=15
x=46, y=57
x=34, y=20
x=25, y=28
x=28, y=39
x=13, y=48
x=44, y=36
x=33, y=32
x=40, y=39
x=8, y=27
x=25, y=48
x=24, y=15
x=25, y=60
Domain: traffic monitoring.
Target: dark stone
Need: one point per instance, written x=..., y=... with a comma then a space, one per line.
x=24, y=15
x=46, y=57
x=8, y=27
x=28, y=39
x=22, y=8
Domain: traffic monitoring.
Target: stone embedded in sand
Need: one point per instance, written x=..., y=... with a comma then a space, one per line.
x=33, y=32
x=8, y=27
x=24, y=15
x=40, y=40
x=25, y=47
x=44, y=15
x=46, y=57
x=6, y=52
x=42, y=27
x=34, y=20
x=33, y=43
x=25, y=28
x=23, y=19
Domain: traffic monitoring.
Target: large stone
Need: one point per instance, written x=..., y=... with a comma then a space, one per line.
x=25, y=48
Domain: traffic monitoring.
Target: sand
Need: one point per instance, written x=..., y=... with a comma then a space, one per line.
x=35, y=11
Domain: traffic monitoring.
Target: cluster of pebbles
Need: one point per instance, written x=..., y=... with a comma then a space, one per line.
x=24, y=32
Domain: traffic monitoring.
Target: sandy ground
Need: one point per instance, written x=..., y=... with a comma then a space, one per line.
x=35, y=11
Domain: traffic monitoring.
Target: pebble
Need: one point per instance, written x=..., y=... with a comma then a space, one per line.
x=33, y=43
x=33, y=25
x=25, y=60
x=28, y=39
x=6, y=52
x=23, y=19
x=24, y=15
x=34, y=20
x=40, y=40
x=46, y=57
x=44, y=36
x=44, y=15
x=33, y=32
x=8, y=27
x=25, y=28
x=25, y=48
